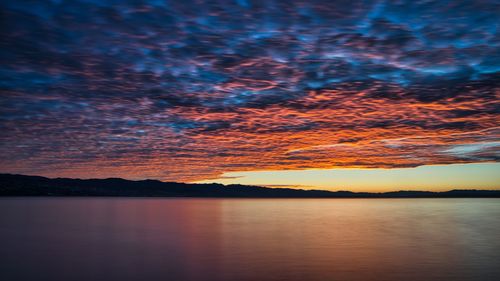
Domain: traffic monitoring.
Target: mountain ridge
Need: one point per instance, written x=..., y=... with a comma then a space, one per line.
x=24, y=185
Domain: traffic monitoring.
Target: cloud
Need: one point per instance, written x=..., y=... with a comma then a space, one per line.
x=145, y=89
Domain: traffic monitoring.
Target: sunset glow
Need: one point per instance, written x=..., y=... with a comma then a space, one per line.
x=435, y=177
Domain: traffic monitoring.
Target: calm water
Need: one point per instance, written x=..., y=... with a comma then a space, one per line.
x=249, y=239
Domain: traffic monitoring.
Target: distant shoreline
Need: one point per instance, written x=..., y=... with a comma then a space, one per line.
x=35, y=186
x=9, y=197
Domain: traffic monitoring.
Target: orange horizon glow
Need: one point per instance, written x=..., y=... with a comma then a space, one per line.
x=485, y=176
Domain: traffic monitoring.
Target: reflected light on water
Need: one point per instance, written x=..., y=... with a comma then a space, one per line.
x=249, y=239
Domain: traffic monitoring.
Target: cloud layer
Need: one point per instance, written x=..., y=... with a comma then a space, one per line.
x=188, y=90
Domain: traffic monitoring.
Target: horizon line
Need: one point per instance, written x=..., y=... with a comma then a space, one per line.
x=274, y=187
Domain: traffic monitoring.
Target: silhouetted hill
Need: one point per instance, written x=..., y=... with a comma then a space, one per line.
x=20, y=185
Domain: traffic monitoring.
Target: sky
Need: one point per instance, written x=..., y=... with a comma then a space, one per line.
x=360, y=95
x=429, y=177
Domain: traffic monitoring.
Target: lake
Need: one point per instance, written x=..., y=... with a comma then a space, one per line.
x=249, y=239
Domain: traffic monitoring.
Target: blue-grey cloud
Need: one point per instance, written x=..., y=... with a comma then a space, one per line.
x=190, y=89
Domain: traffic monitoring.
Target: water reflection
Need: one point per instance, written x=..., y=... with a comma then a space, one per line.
x=249, y=239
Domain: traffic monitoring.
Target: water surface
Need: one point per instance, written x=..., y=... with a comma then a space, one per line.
x=249, y=239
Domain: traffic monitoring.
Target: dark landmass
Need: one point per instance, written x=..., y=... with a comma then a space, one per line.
x=20, y=185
